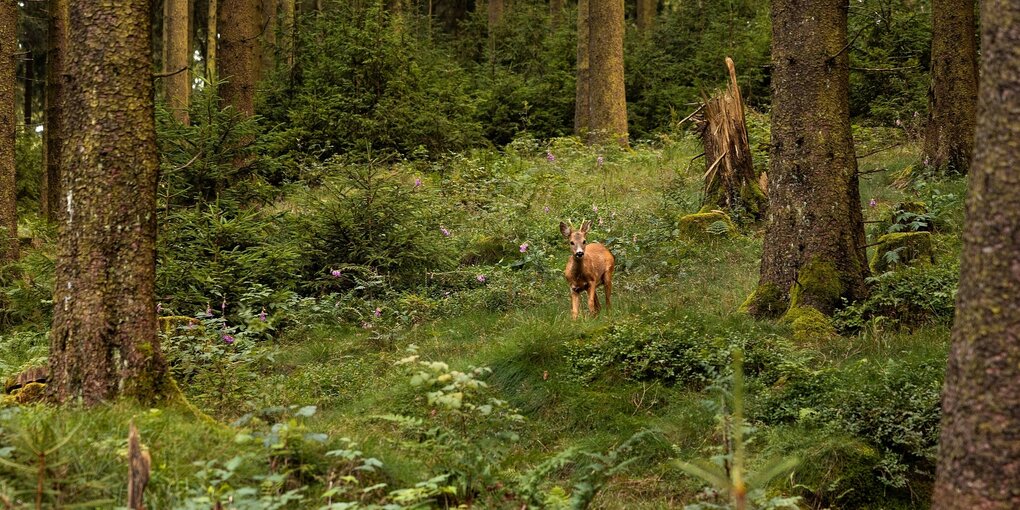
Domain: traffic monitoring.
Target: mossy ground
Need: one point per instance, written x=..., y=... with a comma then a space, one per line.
x=349, y=372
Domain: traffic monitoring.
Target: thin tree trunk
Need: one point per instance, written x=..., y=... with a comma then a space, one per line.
x=608, y=102
x=54, y=121
x=8, y=128
x=177, y=56
x=555, y=12
x=582, y=98
x=28, y=88
x=949, y=138
x=103, y=340
x=289, y=34
x=495, y=10
x=646, y=12
x=979, y=446
x=212, y=40
x=239, y=55
x=814, y=253
x=269, y=21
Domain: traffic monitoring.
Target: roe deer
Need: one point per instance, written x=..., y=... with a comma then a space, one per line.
x=587, y=268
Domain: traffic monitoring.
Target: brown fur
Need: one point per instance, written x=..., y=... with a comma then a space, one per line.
x=584, y=274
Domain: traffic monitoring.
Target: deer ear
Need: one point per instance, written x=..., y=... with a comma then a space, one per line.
x=586, y=226
x=565, y=230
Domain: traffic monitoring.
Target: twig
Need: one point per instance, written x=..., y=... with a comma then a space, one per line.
x=849, y=44
x=883, y=69
x=876, y=151
x=695, y=112
x=186, y=165
x=876, y=243
x=874, y=171
x=166, y=75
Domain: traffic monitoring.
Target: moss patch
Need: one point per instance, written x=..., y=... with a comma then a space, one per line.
x=900, y=249
x=706, y=225
x=809, y=325
x=818, y=285
x=767, y=300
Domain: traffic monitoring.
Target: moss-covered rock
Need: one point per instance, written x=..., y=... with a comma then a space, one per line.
x=767, y=300
x=706, y=225
x=901, y=248
x=809, y=325
x=486, y=249
x=818, y=285
x=30, y=393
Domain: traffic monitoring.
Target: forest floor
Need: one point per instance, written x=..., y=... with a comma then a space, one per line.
x=859, y=410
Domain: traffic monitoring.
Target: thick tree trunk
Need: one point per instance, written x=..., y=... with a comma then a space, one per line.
x=53, y=133
x=239, y=53
x=212, y=39
x=814, y=251
x=582, y=99
x=979, y=444
x=177, y=56
x=104, y=322
x=949, y=138
x=8, y=129
x=608, y=103
x=269, y=21
x=646, y=11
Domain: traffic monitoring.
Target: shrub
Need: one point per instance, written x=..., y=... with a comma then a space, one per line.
x=910, y=297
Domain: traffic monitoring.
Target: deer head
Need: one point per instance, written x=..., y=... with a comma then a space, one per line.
x=576, y=238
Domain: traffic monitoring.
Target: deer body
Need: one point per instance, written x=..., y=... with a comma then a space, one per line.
x=589, y=266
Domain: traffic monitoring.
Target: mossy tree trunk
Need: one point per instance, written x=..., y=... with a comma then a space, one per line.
x=8, y=127
x=177, y=57
x=582, y=103
x=814, y=252
x=212, y=39
x=646, y=11
x=949, y=137
x=239, y=53
x=556, y=12
x=53, y=133
x=103, y=340
x=607, y=102
x=270, y=15
x=979, y=446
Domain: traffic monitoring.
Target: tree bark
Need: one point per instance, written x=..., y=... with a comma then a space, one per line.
x=646, y=11
x=495, y=10
x=28, y=88
x=8, y=129
x=289, y=34
x=239, y=55
x=949, y=137
x=608, y=101
x=53, y=133
x=582, y=103
x=814, y=251
x=103, y=340
x=555, y=12
x=177, y=56
x=980, y=437
x=212, y=40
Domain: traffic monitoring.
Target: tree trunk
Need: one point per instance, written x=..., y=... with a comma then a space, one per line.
x=495, y=9
x=608, y=102
x=582, y=99
x=239, y=55
x=646, y=11
x=103, y=340
x=289, y=34
x=814, y=253
x=28, y=88
x=979, y=446
x=949, y=137
x=212, y=40
x=8, y=129
x=177, y=56
x=269, y=19
x=53, y=133
x=555, y=12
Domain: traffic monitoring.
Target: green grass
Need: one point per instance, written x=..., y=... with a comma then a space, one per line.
x=518, y=325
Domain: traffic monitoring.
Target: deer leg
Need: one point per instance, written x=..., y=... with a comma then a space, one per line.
x=593, y=300
x=607, y=280
x=575, y=304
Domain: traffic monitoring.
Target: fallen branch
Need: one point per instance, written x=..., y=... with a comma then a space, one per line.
x=157, y=76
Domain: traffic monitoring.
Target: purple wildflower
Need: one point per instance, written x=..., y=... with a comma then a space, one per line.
x=873, y=203
x=208, y=310
x=335, y=273
x=228, y=339
x=524, y=247
x=444, y=230
x=546, y=209
x=159, y=307
x=480, y=278
x=417, y=182
x=262, y=315
x=599, y=160
x=594, y=208
x=223, y=305
x=549, y=157
x=378, y=312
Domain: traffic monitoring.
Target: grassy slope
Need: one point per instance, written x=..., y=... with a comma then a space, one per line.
x=349, y=373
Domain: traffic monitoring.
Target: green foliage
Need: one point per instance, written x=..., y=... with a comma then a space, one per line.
x=910, y=297
x=28, y=166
